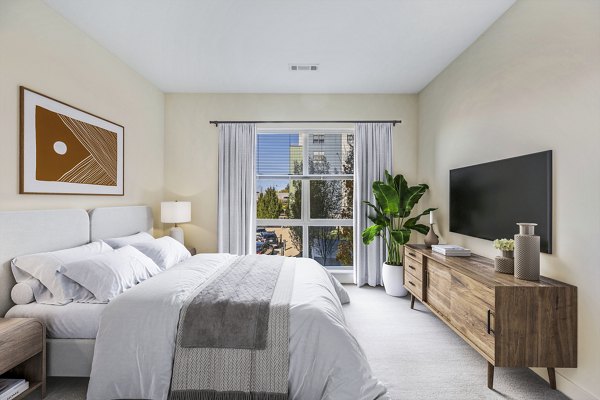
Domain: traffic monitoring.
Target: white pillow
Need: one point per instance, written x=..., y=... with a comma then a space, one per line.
x=22, y=292
x=110, y=274
x=54, y=287
x=166, y=251
x=117, y=243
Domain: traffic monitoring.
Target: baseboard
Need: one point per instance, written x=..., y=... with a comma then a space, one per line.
x=566, y=386
x=344, y=276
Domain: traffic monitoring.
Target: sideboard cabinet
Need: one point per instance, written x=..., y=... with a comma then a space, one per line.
x=510, y=322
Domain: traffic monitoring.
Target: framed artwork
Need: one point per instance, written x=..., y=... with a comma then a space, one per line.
x=65, y=150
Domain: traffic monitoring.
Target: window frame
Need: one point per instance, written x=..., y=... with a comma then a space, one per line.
x=305, y=221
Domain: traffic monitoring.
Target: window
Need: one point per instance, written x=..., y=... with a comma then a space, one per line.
x=304, y=197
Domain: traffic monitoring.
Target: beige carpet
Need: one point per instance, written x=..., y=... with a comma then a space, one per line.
x=413, y=353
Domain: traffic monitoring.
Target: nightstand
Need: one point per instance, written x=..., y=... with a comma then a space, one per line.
x=23, y=352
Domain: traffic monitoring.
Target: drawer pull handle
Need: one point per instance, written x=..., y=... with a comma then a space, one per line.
x=411, y=254
x=411, y=283
x=411, y=267
x=489, y=322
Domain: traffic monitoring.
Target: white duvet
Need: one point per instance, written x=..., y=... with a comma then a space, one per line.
x=134, y=349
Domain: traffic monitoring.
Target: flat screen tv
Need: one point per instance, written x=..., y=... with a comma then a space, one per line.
x=487, y=200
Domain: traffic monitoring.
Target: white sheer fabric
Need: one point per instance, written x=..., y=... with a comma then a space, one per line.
x=237, y=160
x=372, y=156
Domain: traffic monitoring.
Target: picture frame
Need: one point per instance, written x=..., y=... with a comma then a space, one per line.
x=66, y=150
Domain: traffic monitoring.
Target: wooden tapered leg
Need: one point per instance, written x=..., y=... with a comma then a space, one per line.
x=490, y=375
x=412, y=301
x=552, y=378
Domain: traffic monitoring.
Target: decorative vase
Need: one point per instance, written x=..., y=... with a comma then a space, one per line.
x=431, y=237
x=527, y=253
x=393, y=280
x=505, y=264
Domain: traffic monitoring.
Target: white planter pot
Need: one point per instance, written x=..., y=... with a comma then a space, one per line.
x=393, y=280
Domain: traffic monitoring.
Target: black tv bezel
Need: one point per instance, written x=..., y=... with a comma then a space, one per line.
x=549, y=194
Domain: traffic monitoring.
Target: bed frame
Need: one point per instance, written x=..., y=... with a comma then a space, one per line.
x=26, y=232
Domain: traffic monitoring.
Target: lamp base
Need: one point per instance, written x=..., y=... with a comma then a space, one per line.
x=176, y=233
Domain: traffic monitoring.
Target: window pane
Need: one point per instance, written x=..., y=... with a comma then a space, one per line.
x=331, y=199
x=279, y=154
x=281, y=241
x=332, y=246
x=331, y=153
x=278, y=199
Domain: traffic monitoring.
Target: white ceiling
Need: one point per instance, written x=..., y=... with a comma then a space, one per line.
x=361, y=46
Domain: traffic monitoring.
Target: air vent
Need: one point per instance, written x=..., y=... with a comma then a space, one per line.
x=304, y=67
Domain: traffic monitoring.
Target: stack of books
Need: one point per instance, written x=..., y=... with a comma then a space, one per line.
x=11, y=388
x=451, y=250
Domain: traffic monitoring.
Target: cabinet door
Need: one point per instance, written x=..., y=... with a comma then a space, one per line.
x=472, y=312
x=437, y=287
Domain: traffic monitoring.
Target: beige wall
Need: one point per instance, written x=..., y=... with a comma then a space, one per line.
x=40, y=50
x=191, y=145
x=530, y=83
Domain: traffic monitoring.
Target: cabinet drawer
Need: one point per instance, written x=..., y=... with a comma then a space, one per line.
x=437, y=287
x=19, y=340
x=472, y=312
x=415, y=255
x=413, y=267
x=414, y=285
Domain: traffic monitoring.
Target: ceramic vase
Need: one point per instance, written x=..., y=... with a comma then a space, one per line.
x=505, y=264
x=527, y=253
x=431, y=237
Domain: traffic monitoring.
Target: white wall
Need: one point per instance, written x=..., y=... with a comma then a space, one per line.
x=530, y=83
x=42, y=51
x=191, y=145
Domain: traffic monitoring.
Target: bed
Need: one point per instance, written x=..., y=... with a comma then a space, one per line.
x=325, y=360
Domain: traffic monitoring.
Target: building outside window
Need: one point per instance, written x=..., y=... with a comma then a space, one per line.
x=304, y=199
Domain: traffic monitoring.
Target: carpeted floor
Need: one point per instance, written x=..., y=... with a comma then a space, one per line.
x=413, y=353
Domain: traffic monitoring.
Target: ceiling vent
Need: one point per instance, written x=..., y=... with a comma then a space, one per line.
x=304, y=67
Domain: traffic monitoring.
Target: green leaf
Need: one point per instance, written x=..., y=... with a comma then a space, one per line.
x=400, y=236
x=379, y=219
x=424, y=229
x=387, y=198
x=369, y=234
x=414, y=194
x=413, y=221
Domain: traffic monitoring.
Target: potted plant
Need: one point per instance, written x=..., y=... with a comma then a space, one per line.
x=394, y=202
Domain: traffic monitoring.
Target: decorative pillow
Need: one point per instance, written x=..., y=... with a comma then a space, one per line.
x=166, y=251
x=117, y=243
x=341, y=292
x=22, y=292
x=54, y=288
x=110, y=274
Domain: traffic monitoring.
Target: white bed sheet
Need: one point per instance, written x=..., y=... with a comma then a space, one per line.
x=136, y=341
x=69, y=321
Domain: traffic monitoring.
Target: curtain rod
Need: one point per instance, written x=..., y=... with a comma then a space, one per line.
x=393, y=122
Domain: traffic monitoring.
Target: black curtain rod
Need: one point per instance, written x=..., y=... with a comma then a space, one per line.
x=393, y=122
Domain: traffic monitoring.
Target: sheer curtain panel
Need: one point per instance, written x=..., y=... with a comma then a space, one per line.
x=373, y=155
x=237, y=160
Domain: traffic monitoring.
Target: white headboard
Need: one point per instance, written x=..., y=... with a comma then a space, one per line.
x=109, y=222
x=25, y=232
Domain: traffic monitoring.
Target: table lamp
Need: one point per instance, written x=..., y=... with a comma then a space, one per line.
x=176, y=212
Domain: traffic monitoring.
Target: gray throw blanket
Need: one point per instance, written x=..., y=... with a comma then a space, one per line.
x=232, y=339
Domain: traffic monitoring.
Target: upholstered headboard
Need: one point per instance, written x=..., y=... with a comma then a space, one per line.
x=25, y=232
x=108, y=222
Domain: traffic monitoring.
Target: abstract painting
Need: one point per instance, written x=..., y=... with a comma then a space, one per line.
x=65, y=150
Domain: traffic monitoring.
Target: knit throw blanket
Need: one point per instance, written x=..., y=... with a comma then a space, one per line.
x=232, y=339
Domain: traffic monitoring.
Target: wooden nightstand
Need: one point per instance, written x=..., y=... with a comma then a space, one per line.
x=23, y=352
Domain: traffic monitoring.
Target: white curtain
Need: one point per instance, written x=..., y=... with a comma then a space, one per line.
x=237, y=160
x=372, y=156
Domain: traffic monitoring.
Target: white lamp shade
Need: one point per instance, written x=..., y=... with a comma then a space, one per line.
x=175, y=212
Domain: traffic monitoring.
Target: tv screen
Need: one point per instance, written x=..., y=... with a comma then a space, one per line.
x=487, y=200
